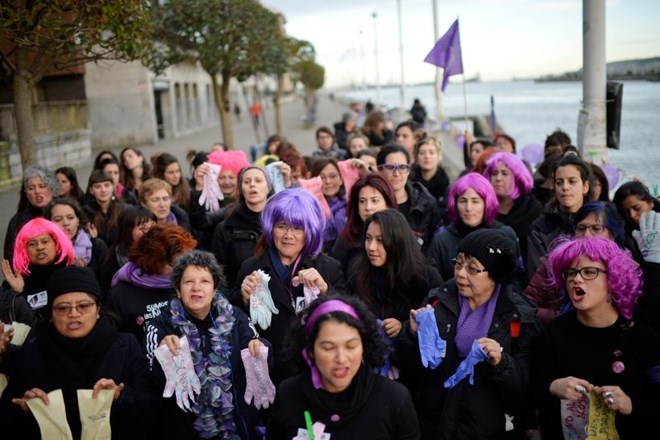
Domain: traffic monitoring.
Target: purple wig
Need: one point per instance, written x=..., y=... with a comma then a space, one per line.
x=295, y=207
x=522, y=178
x=624, y=277
x=482, y=187
x=34, y=228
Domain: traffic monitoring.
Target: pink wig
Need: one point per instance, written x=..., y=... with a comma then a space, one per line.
x=230, y=160
x=34, y=228
x=482, y=187
x=624, y=277
x=522, y=178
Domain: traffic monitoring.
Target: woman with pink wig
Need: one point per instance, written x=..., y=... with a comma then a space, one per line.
x=471, y=205
x=41, y=248
x=597, y=349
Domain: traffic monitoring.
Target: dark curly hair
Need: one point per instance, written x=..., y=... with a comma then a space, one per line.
x=299, y=338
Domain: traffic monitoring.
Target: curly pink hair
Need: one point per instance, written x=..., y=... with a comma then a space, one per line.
x=34, y=228
x=230, y=160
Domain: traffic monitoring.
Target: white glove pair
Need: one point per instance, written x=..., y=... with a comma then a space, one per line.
x=648, y=236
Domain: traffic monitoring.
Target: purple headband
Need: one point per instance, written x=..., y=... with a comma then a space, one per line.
x=333, y=305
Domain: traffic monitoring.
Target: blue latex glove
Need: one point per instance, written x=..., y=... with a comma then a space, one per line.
x=431, y=346
x=387, y=370
x=465, y=368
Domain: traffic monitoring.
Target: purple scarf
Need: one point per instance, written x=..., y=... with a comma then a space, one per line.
x=82, y=245
x=474, y=324
x=130, y=273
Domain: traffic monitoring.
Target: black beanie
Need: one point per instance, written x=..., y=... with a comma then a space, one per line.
x=494, y=250
x=73, y=279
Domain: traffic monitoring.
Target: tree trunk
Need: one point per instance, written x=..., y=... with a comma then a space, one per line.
x=23, y=92
x=278, y=104
x=225, y=111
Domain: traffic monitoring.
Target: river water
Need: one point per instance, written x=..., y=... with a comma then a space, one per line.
x=529, y=111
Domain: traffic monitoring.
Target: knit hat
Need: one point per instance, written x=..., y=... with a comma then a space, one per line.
x=494, y=250
x=73, y=279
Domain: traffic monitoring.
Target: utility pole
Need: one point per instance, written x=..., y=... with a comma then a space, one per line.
x=376, y=67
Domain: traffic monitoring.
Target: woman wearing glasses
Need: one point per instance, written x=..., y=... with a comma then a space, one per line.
x=289, y=252
x=417, y=205
x=475, y=312
x=597, y=349
x=471, y=206
x=78, y=349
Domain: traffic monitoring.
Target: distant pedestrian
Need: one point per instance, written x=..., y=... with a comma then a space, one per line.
x=255, y=111
x=418, y=112
x=237, y=112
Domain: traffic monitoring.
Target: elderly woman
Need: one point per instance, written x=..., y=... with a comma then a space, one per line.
x=597, y=348
x=512, y=181
x=370, y=194
x=142, y=287
x=290, y=253
x=415, y=202
x=41, y=248
x=216, y=333
x=476, y=308
x=235, y=238
x=156, y=196
x=471, y=205
x=340, y=348
x=38, y=189
x=69, y=215
x=78, y=349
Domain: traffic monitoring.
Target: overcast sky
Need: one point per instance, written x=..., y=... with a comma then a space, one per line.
x=500, y=38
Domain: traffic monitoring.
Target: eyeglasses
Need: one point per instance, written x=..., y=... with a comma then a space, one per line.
x=587, y=273
x=64, y=309
x=471, y=270
x=283, y=228
x=595, y=229
x=392, y=168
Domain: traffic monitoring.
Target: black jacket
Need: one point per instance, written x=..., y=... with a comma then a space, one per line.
x=177, y=424
x=283, y=293
x=526, y=209
x=423, y=215
x=203, y=223
x=550, y=225
x=14, y=307
x=474, y=411
x=234, y=240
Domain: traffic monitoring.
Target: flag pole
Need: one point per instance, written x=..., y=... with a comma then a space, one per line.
x=465, y=103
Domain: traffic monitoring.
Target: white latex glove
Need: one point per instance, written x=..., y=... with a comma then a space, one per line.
x=648, y=236
x=211, y=193
x=262, y=307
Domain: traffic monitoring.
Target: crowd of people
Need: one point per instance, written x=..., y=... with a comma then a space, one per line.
x=354, y=293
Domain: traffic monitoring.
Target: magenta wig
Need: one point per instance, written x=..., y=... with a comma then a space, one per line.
x=34, y=228
x=230, y=160
x=624, y=277
x=482, y=187
x=295, y=207
x=522, y=178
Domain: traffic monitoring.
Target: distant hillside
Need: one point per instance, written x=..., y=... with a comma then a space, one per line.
x=648, y=69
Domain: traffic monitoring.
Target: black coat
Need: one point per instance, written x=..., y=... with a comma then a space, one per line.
x=423, y=215
x=122, y=361
x=474, y=411
x=550, y=225
x=526, y=209
x=203, y=223
x=177, y=424
x=283, y=292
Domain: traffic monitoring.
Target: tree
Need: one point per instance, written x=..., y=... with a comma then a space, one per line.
x=43, y=36
x=228, y=38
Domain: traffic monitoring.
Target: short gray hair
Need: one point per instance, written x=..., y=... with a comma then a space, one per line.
x=48, y=176
x=202, y=259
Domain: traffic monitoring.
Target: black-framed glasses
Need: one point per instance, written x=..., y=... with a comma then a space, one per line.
x=587, y=273
x=403, y=168
x=596, y=229
x=64, y=309
x=471, y=270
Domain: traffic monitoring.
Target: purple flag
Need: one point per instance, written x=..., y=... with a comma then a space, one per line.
x=447, y=54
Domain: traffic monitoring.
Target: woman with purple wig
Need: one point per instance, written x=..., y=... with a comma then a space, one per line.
x=513, y=184
x=289, y=251
x=597, y=349
x=471, y=205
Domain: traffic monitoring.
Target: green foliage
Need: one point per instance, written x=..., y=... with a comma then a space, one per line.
x=312, y=75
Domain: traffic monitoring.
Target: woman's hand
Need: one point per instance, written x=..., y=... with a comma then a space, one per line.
x=107, y=384
x=34, y=393
x=362, y=166
x=201, y=171
x=173, y=343
x=5, y=339
x=492, y=348
x=14, y=280
x=570, y=388
x=310, y=278
x=93, y=232
x=254, y=346
x=615, y=399
x=413, y=321
x=249, y=286
x=286, y=174
x=392, y=327
x=80, y=262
